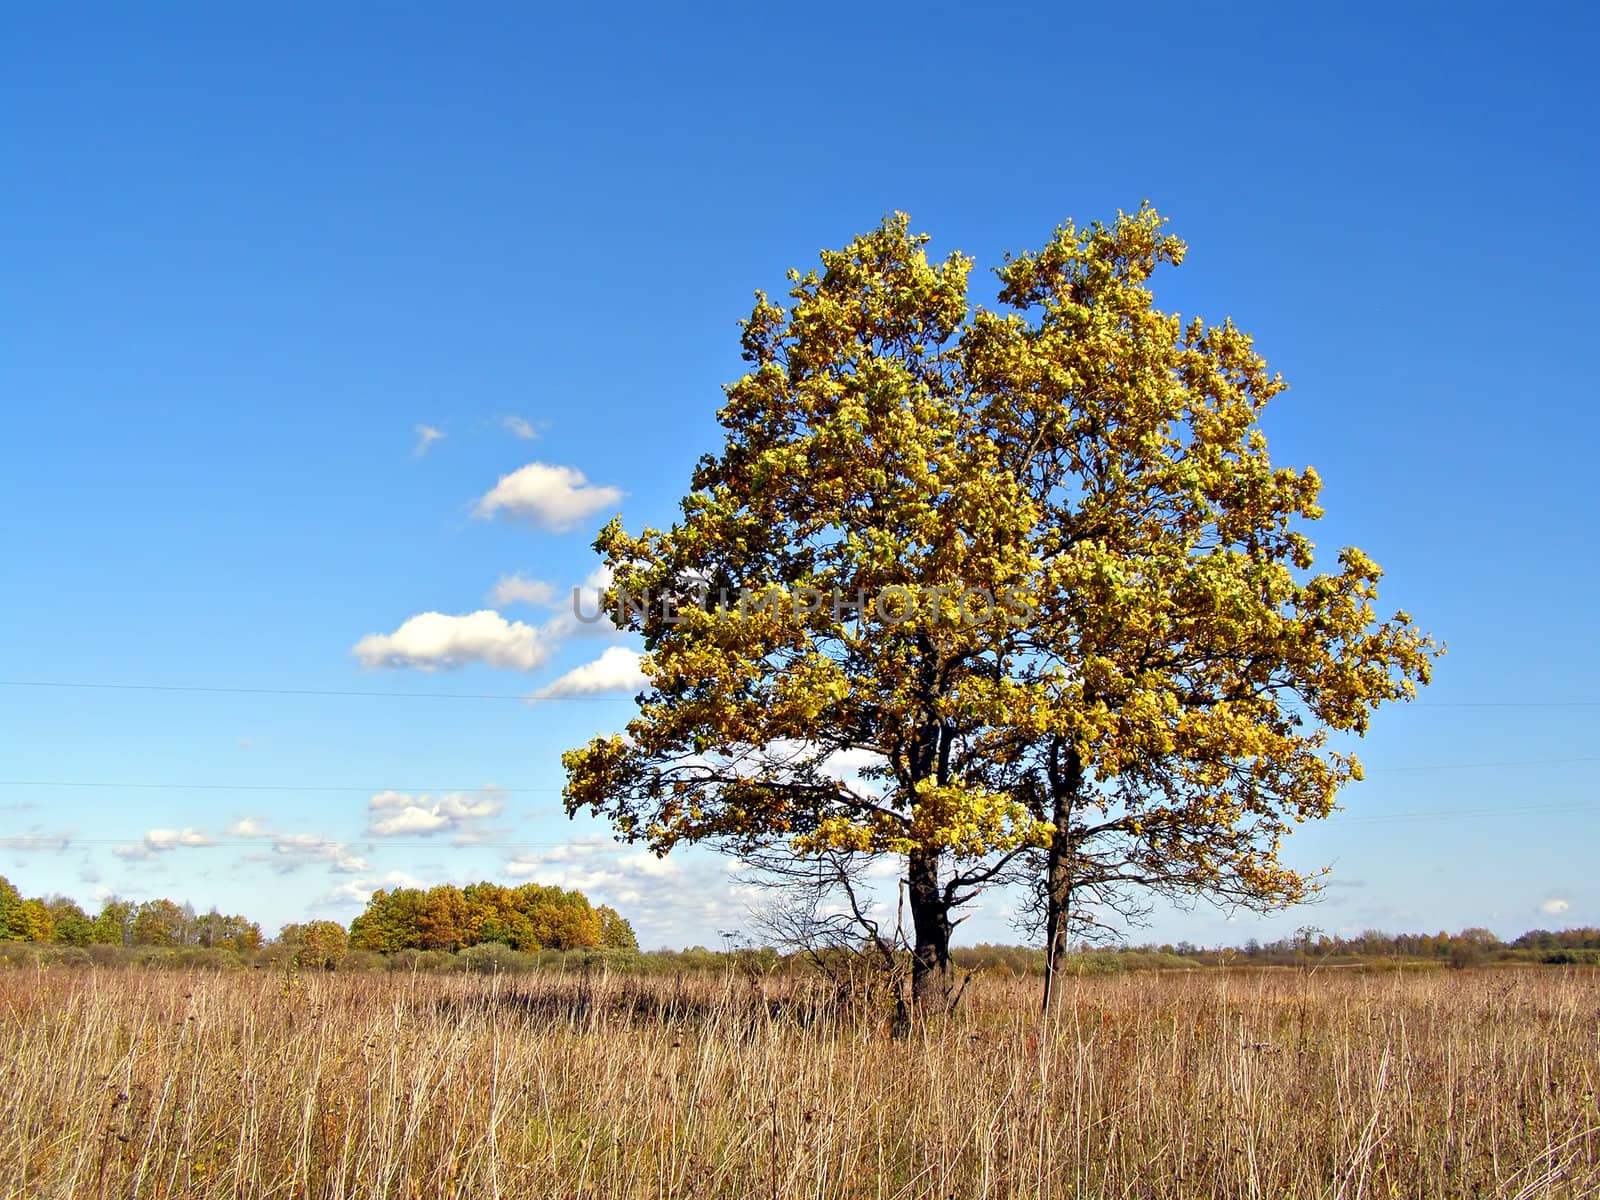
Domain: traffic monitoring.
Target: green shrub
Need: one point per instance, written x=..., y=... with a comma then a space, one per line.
x=494, y=958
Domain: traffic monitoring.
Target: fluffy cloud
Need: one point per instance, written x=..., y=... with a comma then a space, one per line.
x=359, y=891
x=1555, y=907
x=396, y=814
x=554, y=498
x=291, y=851
x=616, y=670
x=159, y=841
x=427, y=435
x=573, y=851
x=519, y=428
x=170, y=839
x=629, y=877
x=431, y=640
x=847, y=765
x=690, y=894
x=519, y=589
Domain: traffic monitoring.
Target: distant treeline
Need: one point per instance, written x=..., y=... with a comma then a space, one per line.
x=1310, y=947
x=485, y=926
x=445, y=918
x=1458, y=949
x=56, y=919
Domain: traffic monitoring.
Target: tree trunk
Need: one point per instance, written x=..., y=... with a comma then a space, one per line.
x=930, y=920
x=1066, y=778
x=1058, y=901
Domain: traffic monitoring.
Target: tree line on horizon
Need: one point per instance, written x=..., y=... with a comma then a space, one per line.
x=529, y=917
x=534, y=917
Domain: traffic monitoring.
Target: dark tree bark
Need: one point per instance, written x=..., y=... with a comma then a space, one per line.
x=930, y=921
x=1066, y=778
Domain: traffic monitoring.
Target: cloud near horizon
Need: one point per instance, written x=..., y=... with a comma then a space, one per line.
x=359, y=891
x=291, y=851
x=397, y=814
x=160, y=841
x=609, y=874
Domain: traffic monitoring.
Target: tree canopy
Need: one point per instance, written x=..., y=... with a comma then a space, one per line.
x=529, y=917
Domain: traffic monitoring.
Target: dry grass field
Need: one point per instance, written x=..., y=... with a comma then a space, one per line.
x=128, y=1083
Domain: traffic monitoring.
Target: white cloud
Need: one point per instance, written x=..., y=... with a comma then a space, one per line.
x=531, y=862
x=359, y=891
x=1555, y=907
x=519, y=428
x=576, y=610
x=627, y=878
x=552, y=497
x=36, y=841
x=578, y=848
x=410, y=819
x=682, y=898
x=394, y=814
x=159, y=841
x=616, y=670
x=431, y=640
x=670, y=901
x=519, y=589
x=355, y=891
x=427, y=435
x=846, y=766
x=291, y=851
x=885, y=866
x=649, y=865
x=169, y=839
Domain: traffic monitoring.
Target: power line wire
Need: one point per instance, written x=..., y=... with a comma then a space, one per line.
x=44, y=841
x=261, y=787
x=333, y=692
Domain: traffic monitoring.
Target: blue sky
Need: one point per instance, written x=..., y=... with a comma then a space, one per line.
x=247, y=255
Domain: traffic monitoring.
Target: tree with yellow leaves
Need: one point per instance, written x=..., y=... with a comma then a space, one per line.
x=1034, y=562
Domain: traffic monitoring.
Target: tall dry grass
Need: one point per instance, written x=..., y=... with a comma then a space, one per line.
x=1214, y=1084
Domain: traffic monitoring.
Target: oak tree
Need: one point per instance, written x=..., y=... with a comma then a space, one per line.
x=1032, y=560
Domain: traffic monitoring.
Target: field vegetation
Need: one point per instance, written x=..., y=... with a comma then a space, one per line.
x=1255, y=1082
